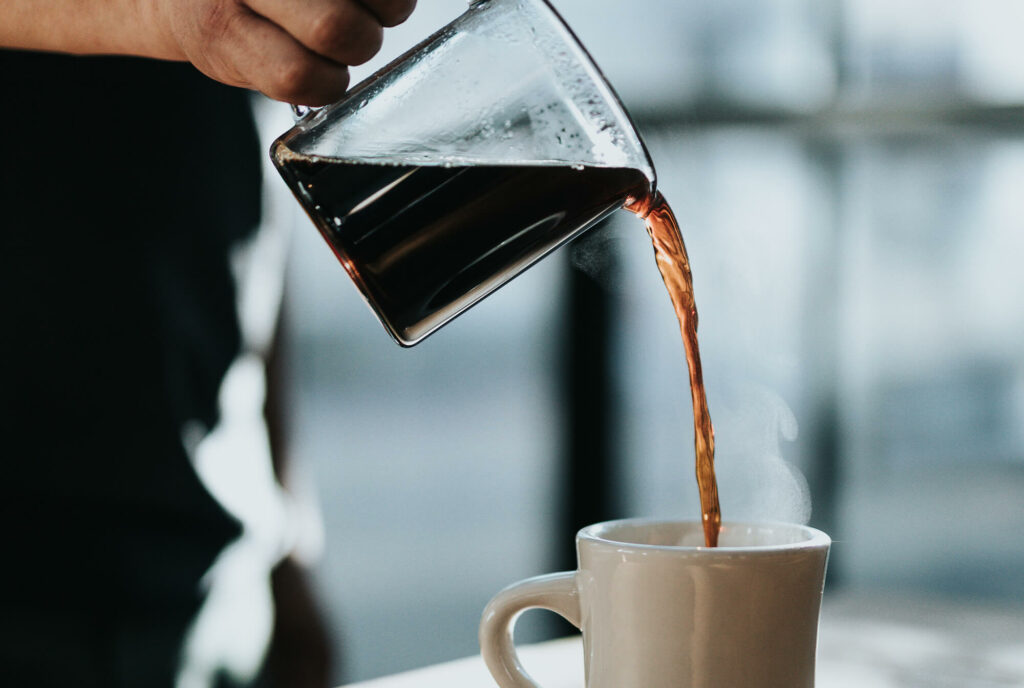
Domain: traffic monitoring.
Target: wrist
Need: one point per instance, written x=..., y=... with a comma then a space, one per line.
x=154, y=37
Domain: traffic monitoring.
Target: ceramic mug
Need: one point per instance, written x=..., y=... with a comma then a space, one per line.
x=658, y=609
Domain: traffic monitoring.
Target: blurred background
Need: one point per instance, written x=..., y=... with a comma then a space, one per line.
x=848, y=177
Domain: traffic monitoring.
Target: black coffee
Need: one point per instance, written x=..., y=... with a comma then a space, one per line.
x=417, y=237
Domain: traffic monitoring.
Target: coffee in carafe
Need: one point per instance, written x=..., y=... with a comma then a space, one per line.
x=417, y=237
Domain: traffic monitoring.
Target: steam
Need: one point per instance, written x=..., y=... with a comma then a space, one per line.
x=755, y=482
x=754, y=425
x=598, y=255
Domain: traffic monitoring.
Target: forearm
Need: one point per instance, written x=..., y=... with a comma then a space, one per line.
x=86, y=27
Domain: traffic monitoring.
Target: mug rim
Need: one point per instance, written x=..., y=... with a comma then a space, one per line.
x=602, y=534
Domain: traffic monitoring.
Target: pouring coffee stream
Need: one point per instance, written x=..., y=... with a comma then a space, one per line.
x=470, y=158
x=674, y=266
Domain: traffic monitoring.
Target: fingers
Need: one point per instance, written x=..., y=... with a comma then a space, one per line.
x=390, y=12
x=297, y=51
x=344, y=31
x=270, y=60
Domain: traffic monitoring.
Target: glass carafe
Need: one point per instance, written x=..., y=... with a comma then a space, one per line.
x=463, y=162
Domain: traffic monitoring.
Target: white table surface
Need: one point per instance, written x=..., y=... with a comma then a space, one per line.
x=863, y=642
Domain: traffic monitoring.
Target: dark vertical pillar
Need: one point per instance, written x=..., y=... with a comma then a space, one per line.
x=823, y=439
x=586, y=493
x=589, y=493
x=822, y=436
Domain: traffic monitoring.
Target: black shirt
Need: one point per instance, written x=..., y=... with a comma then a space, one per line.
x=124, y=183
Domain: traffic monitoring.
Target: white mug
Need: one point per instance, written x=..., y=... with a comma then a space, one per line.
x=657, y=609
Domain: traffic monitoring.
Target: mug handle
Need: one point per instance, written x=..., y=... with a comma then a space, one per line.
x=555, y=592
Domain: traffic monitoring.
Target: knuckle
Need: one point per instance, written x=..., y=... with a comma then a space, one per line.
x=344, y=35
x=328, y=30
x=291, y=82
x=365, y=46
x=302, y=83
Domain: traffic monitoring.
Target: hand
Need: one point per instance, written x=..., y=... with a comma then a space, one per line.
x=297, y=51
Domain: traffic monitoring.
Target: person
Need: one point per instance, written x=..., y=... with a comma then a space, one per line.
x=133, y=383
